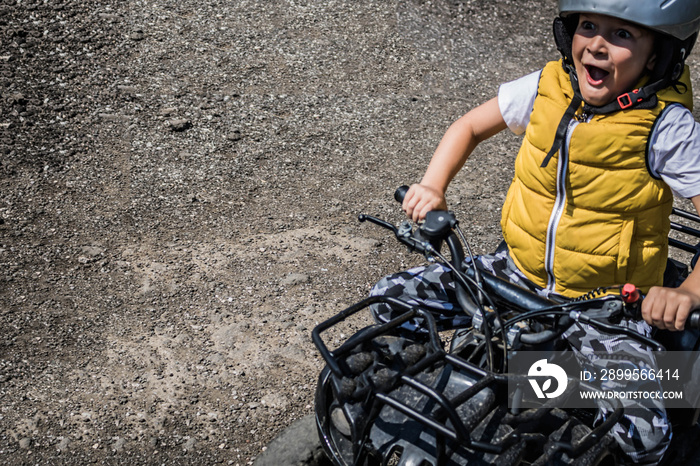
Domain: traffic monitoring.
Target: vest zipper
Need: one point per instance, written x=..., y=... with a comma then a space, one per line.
x=584, y=116
x=558, y=210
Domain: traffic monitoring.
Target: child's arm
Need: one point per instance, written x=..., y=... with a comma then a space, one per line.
x=457, y=144
x=668, y=308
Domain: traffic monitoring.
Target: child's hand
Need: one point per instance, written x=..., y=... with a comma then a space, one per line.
x=668, y=308
x=421, y=199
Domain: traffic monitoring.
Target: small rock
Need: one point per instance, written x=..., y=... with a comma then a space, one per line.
x=235, y=135
x=127, y=89
x=92, y=251
x=63, y=444
x=118, y=446
x=179, y=124
x=137, y=35
x=294, y=279
x=189, y=445
x=25, y=443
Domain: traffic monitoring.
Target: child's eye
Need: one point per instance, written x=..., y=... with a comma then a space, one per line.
x=624, y=34
x=587, y=25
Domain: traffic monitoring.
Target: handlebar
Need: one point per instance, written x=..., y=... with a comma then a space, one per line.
x=693, y=321
x=400, y=193
x=440, y=225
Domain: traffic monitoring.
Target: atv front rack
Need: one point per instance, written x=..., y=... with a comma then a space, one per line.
x=690, y=231
x=385, y=376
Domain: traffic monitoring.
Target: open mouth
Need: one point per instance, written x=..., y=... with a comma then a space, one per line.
x=595, y=75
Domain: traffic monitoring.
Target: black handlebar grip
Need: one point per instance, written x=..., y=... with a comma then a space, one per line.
x=693, y=320
x=400, y=193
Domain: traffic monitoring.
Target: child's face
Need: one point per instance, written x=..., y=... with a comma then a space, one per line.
x=610, y=56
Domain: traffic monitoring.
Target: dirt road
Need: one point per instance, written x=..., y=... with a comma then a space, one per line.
x=178, y=200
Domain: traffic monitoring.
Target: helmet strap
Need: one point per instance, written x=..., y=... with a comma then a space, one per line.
x=638, y=98
x=563, y=126
x=643, y=98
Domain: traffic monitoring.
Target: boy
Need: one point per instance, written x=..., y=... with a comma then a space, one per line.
x=608, y=138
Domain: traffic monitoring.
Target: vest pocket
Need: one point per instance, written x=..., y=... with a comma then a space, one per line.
x=626, y=256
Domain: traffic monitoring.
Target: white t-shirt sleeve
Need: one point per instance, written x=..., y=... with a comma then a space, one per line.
x=515, y=100
x=674, y=152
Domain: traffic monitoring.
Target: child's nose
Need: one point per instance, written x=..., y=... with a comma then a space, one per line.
x=597, y=44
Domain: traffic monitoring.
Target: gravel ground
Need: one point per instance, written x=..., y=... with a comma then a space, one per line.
x=178, y=200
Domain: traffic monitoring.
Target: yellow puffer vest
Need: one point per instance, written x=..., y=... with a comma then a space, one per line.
x=607, y=222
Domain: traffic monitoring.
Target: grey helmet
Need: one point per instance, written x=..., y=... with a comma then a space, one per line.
x=677, y=18
x=676, y=23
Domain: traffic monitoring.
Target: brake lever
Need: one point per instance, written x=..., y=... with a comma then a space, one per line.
x=403, y=234
x=378, y=221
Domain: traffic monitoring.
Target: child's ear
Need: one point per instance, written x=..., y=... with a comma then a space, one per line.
x=651, y=63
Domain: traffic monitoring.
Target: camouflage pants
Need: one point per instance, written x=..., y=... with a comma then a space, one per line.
x=643, y=433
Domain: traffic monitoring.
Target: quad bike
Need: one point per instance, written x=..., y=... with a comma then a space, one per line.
x=410, y=392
